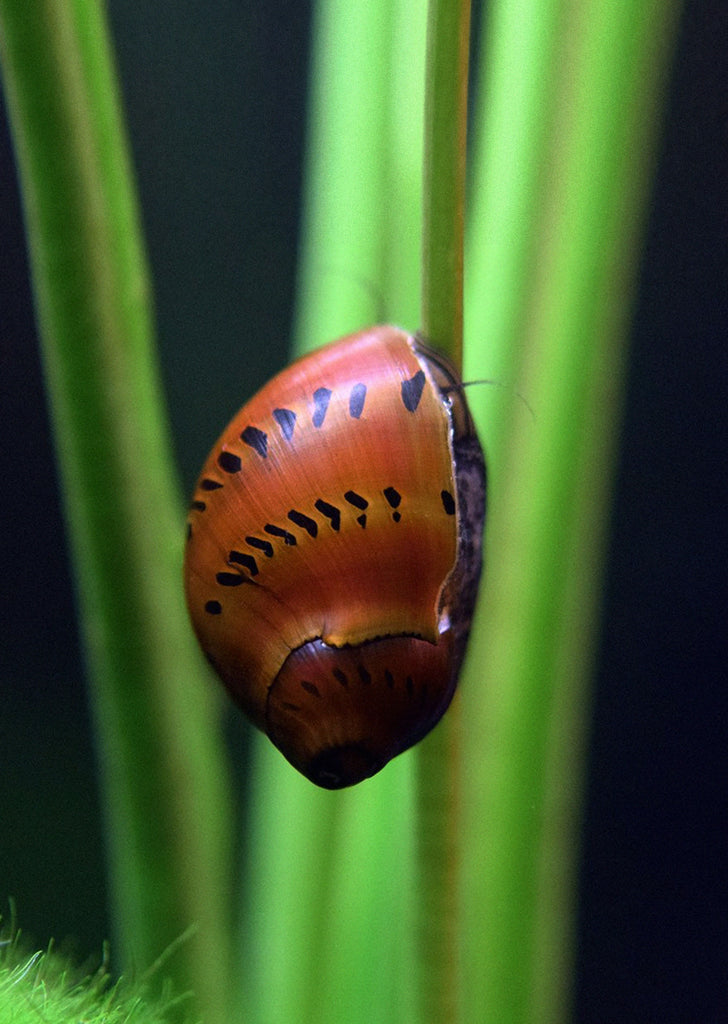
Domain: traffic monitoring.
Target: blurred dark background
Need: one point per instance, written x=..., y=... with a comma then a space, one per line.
x=215, y=101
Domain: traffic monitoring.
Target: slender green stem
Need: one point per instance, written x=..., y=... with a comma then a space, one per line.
x=439, y=845
x=448, y=37
x=439, y=756
x=165, y=789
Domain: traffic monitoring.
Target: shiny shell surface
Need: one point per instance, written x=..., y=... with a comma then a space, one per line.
x=334, y=550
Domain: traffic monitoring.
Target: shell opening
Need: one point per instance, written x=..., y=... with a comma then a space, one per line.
x=339, y=714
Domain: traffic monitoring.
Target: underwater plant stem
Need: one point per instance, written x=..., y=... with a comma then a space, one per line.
x=439, y=845
x=165, y=789
x=448, y=37
x=566, y=239
x=326, y=869
x=439, y=755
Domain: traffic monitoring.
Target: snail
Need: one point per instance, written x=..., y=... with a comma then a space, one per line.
x=334, y=551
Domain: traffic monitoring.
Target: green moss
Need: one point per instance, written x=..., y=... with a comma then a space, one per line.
x=47, y=988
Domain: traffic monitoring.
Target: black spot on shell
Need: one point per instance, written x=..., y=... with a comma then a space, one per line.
x=229, y=462
x=331, y=512
x=229, y=579
x=257, y=440
x=356, y=400
x=244, y=559
x=277, y=531
x=286, y=420
x=213, y=607
x=356, y=500
x=321, y=399
x=448, y=502
x=262, y=545
x=304, y=521
x=412, y=391
x=394, y=498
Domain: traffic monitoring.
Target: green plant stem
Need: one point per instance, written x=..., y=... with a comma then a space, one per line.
x=329, y=884
x=167, y=805
x=448, y=36
x=325, y=869
x=346, y=172
x=572, y=261
x=439, y=849
x=439, y=755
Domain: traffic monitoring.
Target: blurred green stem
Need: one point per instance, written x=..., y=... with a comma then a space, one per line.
x=167, y=804
x=553, y=267
x=329, y=876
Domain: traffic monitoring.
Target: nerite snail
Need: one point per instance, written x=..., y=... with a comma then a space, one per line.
x=334, y=551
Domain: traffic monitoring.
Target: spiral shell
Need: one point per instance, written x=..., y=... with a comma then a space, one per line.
x=334, y=552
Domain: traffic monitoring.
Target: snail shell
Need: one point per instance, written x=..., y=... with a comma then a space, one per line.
x=334, y=552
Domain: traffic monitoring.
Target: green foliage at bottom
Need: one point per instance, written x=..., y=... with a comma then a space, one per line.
x=46, y=988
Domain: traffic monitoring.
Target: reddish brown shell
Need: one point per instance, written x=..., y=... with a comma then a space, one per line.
x=334, y=550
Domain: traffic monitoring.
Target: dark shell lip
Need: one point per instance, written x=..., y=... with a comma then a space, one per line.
x=341, y=766
x=339, y=714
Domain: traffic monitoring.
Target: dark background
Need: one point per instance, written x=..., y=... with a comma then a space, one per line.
x=216, y=113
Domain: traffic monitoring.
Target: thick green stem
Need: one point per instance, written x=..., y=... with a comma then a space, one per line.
x=562, y=232
x=165, y=789
x=329, y=879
